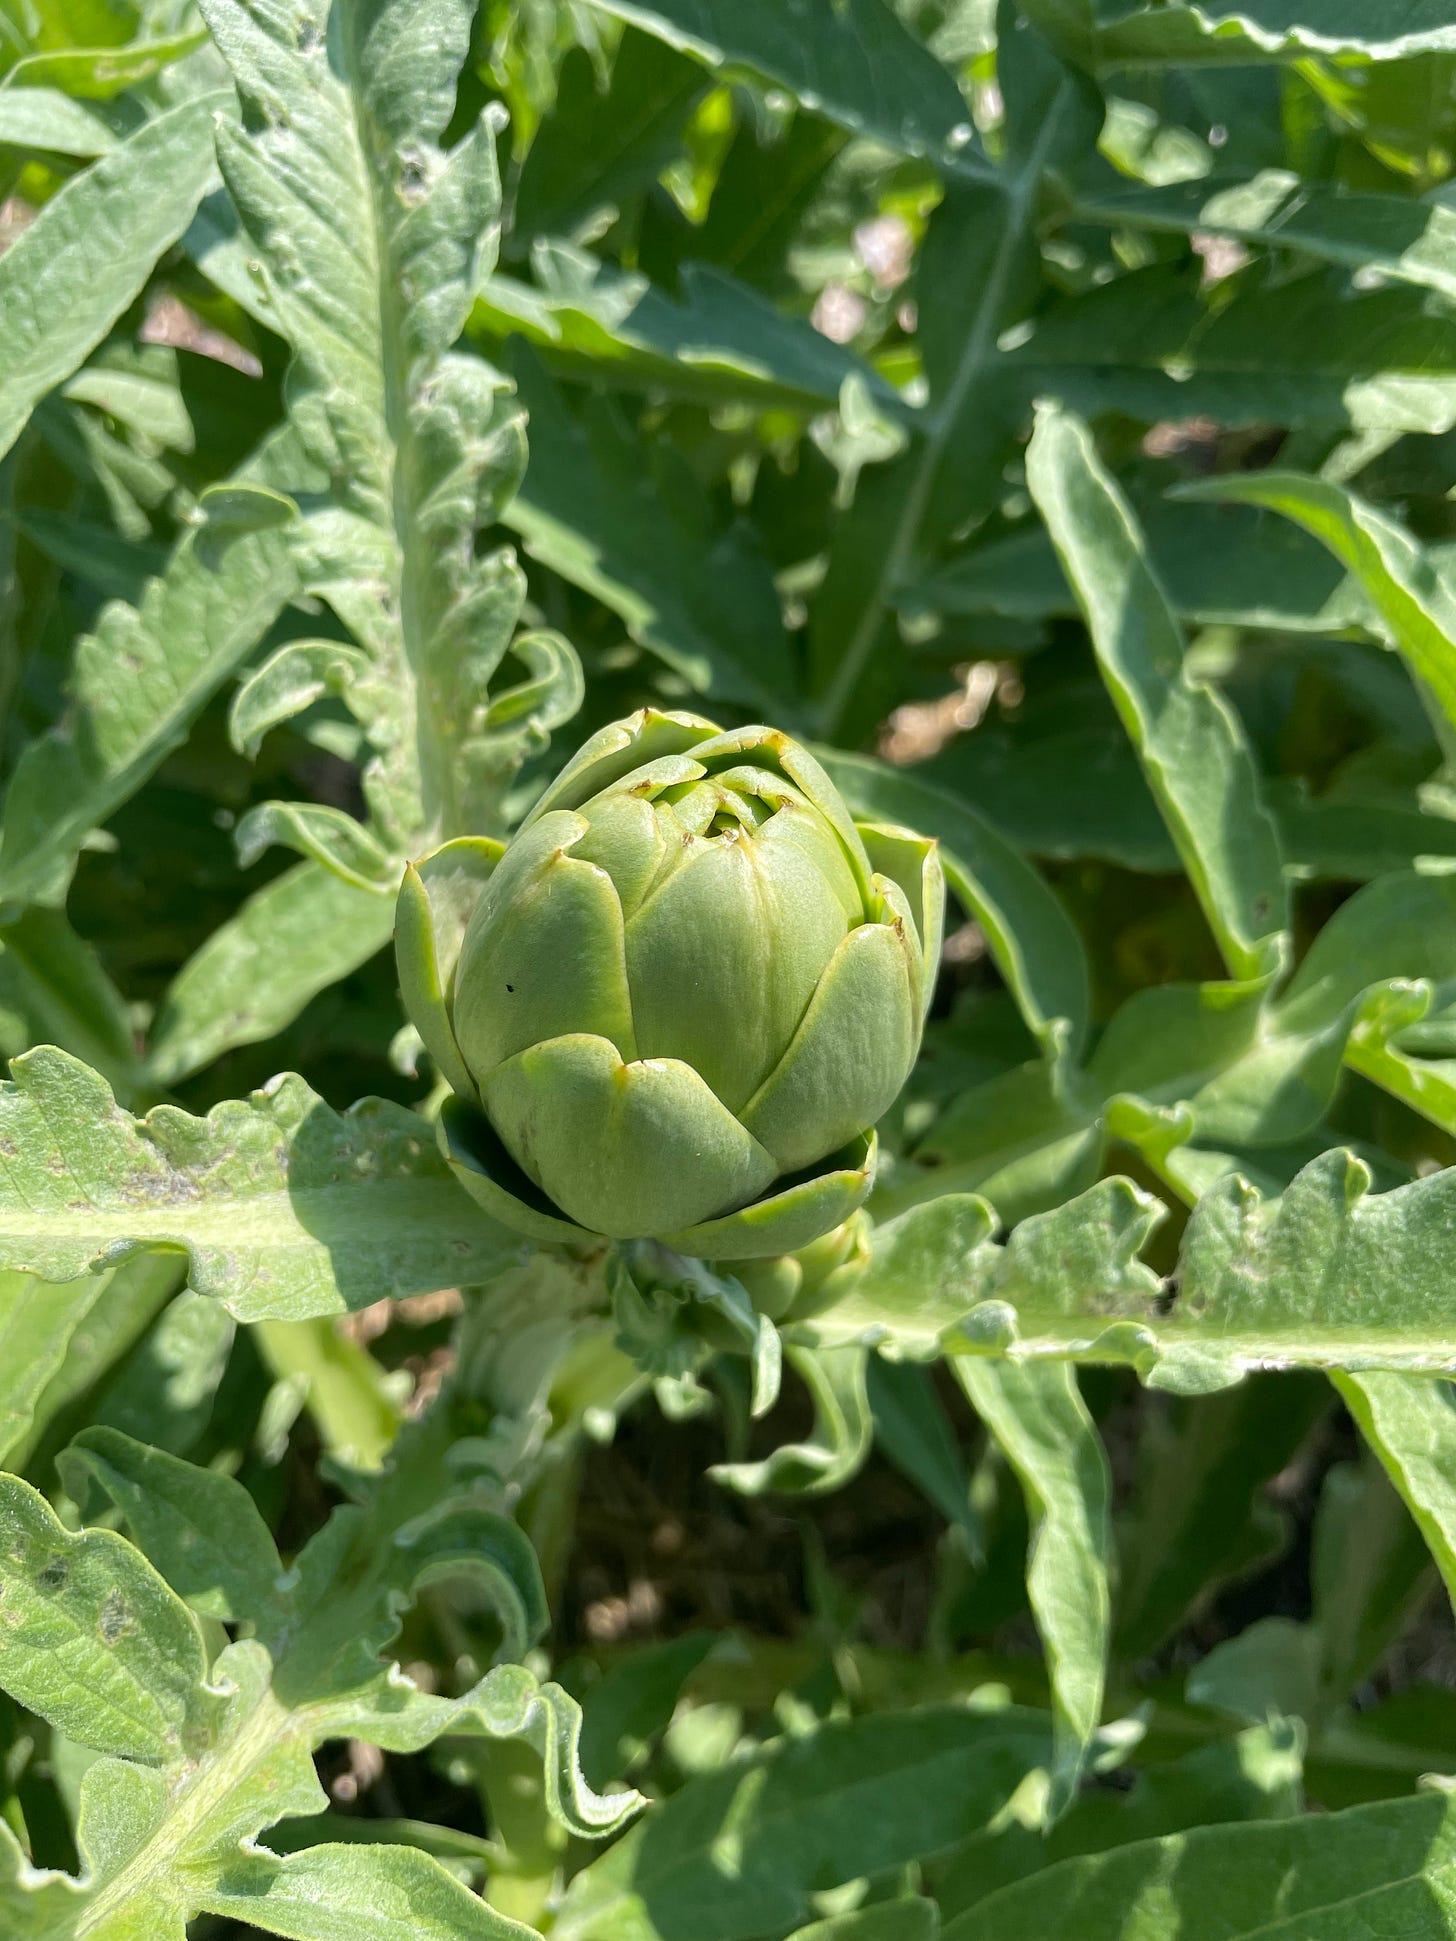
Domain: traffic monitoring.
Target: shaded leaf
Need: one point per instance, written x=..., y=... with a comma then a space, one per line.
x=292, y=939
x=1189, y=740
x=193, y=627
x=1043, y=1429
x=855, y=63
x=800, y=1816
x=644, y=545
x=1335, y=1877
x=1401, y=580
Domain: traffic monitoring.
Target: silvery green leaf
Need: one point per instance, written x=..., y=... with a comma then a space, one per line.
x=372, y=238
x=199, y=1529
x=354, y=1893
x=50, y=119
x=327, y=836
x=71, y=273
x=1043, y=1428
x=305, y=1211
x=1410, y=1423
x=1325, y=1275
x=94, y=1641
x=291, y=680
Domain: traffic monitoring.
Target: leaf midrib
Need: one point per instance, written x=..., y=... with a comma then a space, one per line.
x=976, y=356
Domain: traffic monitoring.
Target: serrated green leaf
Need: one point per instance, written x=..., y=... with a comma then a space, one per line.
x=1327, y=1275
x=1370, y=1572
x=913, y=1430
x=908, y=1920
x=92, y=1638
x=166, y=1388
x=1254, y=1775
x=285, y=1208
x=36, y=1325
x=1269, y=1670
x=372, y=239
x=769, y=180
x=1255, y=1070
x=155, y=1846
x=854, y=63
x=737, y=1853
x=633, y=1701
x=1043, y=1429
x=71, y=273
x=601, y=145
x=292, y=939
x=1241, y=570
x=1202, y=1515
x=118, y=568
x=1189, y=740
x=115, y=1310
x=977, y=273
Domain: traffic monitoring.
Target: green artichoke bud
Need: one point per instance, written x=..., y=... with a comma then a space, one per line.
x=675, y=1003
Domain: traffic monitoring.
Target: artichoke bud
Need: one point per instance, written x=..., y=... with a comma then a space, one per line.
x=674, y=1005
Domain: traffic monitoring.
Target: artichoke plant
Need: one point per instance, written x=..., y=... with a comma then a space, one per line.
x=674, y=1005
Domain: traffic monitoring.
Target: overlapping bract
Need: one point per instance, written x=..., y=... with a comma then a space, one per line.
x=675, y=1004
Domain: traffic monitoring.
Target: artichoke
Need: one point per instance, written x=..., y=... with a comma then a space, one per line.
x=675, y=1003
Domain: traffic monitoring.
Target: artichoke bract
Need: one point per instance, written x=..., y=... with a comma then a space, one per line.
x=674, y=1005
